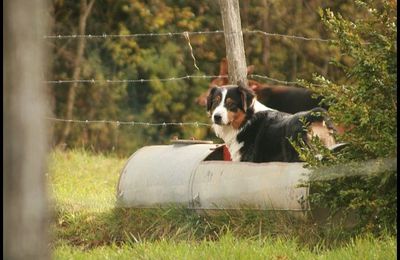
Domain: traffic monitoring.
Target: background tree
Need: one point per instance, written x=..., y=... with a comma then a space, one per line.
x=85, y=9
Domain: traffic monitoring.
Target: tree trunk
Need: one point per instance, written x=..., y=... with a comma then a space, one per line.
x=85, y=10
x=297, y=21
x=267, y=40
x=26, y=129
x=237, y=69
x=244, y=13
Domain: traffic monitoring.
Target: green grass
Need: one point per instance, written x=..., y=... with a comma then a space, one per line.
x=81, y=181
x=86, y=224
x=229, y=247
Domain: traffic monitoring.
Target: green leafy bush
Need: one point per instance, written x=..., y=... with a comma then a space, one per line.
x=366, y=105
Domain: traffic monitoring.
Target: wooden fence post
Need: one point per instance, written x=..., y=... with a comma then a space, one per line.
x=237, y=69
x=26, y=131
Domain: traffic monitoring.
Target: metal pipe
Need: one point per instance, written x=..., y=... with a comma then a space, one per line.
x=195, y=176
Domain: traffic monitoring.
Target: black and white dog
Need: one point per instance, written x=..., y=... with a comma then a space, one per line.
x=255, y=133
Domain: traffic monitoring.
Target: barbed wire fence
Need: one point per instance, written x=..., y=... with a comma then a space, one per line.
x=108, y=81
x=104, y=35
x=129, y=123
x=186, y=35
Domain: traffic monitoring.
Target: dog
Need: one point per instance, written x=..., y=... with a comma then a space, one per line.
x=287, y=99
x=254, y=132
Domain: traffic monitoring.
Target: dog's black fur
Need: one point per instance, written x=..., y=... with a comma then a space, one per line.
x=266, y=134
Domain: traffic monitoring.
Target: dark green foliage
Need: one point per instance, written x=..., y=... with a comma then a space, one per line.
x=166, y=57
x=366, y=103
x=131, y=58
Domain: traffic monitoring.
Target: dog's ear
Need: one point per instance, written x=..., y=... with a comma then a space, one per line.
x=210, y=97
x=246, y=94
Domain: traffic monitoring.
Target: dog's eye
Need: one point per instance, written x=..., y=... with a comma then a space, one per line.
x=230, y=105
x=216, y=101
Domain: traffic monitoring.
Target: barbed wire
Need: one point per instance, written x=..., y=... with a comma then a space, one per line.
x=130, y=123
x=185, y=35
x=272, y=79
x=287, y=36
x=104, y=35
x=132, y=80
x=136, y=35
x=108, y=81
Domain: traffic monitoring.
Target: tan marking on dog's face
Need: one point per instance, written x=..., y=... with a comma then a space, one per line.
x=236, y=118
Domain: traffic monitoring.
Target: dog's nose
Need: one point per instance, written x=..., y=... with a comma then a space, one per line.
x=217, y=119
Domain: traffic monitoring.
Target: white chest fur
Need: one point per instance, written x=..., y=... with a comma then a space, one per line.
x=228, y=134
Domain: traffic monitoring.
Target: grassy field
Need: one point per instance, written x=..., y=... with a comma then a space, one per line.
x=86, y=224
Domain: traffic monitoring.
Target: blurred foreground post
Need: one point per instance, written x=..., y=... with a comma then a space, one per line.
x=25, y=131
x=237, y=68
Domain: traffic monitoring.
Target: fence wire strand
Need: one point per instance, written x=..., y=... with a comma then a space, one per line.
x=94, y=81
x=108, y=81
x=136, y=35
x=129, y=123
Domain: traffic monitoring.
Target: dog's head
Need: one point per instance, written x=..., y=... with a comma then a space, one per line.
x=222, y=80
x=227, y=105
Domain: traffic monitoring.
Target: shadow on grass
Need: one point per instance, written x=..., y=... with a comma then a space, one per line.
x=127, y=225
